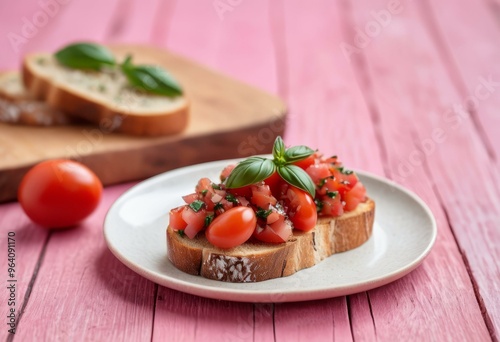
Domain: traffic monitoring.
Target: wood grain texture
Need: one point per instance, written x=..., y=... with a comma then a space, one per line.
x=183, y=317
x=221, y=109
x=325, y=320
x=476, y=81
x=477, y=84
x=236, y=41
x=29, y=244
x=81, y=289
x=410, y=96
x=327, y=110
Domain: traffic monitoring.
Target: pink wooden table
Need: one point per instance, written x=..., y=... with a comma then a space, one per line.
x=405, y=89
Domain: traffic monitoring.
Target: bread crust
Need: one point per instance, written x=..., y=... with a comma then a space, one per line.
x=109, y=119
x=21, y=108
x=252, y=262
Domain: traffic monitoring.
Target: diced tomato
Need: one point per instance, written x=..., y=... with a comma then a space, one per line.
x=355, y=196
x=333, y=160
x=274, y=182
x=344, y=181
x=273, y=217
x=243, y=201
x=190, y=198
x=226, y=172
x=327, y=184
x=245, y=191
x=301, y=209
x=262, y=197
x=217, y=198
x=305, y=163
x=204, y=184
x=318, y=172
x=332, y=206
x=176, y=221
x=226, y=205
x=277, y=232
x=195, y=221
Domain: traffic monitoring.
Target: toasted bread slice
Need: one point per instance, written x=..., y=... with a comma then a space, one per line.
x=255, y=261
x=104, y=98
x=17, y=106
x=12, y=88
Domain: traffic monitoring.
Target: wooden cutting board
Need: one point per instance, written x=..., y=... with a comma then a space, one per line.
x=228, y=119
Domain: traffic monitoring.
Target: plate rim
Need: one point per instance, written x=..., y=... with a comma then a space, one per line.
x=256, y=296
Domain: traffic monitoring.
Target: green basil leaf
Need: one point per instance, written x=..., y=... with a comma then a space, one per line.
x=150, y=78
x=208, y=219
x=332, y=194
x=263, y=214
x=319, y=205
x=231, y=198
x=279, y=150
x=296, y=153
x=85, y=56
x=196, y=205
x=250, y=171
x=297, y=177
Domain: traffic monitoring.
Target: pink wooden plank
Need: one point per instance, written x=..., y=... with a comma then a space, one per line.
x=236, y=42
x=83, y=293
x=311, y=322
x=134, y=21
x=183, y=317
x=475, y=53
x=264, y=322
x=33, y=27
x=29, y=242
x=477, y=79
x=412, y=93
x=327, y=110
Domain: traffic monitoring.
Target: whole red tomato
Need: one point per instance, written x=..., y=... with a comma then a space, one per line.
x=232, y=228
x=59, y=193
x=302, y=209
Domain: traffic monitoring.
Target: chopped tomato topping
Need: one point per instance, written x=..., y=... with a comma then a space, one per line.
x=344, y=180
x=190, y=198
x=318, y=173
x=176, y=221
x=276, y=232
x=332, y=205
x=226, y=172
x=305, y=163
x=262, y=196
x=355, y=196
x=268, y=210
x=195, y=221
x=301, y=209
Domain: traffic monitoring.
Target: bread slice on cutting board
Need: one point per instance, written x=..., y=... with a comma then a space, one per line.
x=18, y=106
x=259, y=261
x=103, y=97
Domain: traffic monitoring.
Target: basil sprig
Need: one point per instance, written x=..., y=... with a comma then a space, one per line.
x=149, y=78
x=257, y=169
x=85, y=56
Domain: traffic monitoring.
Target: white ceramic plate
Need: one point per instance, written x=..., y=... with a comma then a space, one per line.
x=403, y=235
